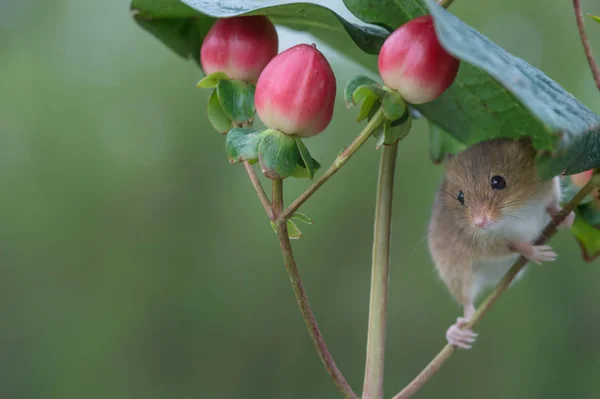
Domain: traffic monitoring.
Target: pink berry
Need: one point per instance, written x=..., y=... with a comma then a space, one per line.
x=295, y=93
x=240, y=46
x=413, y=62
x=581, y=179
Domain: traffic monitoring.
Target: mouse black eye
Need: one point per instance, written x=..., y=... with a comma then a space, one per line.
x=461, y=197
x=498, y=182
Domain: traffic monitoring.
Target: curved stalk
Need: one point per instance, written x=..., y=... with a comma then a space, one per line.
x=260, y=191
x=382, y=232
x=448, y=350
x=586, y=43
x=340, y=160
x=302, y=298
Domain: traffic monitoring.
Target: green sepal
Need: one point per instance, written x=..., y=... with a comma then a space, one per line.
x=216, y=115
x=300, y=217
x=390, y=131
x=242, y=144
x=394, y=105
x=278, y=154
x=293, y=231
x=354, y=84
x=442, y=144
x=300, y=171
x=595, y=17
x=366, y=106
x=307, y=159
x=211, y=81
x=237, y=99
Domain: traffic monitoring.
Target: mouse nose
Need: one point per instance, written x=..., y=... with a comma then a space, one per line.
x=481, y=221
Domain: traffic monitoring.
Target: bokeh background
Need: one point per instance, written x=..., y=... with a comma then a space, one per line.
x=135, y=262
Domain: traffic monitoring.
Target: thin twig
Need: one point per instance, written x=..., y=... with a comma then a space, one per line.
x=302, y=298
x=448, y=350
x=382, y=233
x=264, y=200
x=341, y=159
x=586, y=43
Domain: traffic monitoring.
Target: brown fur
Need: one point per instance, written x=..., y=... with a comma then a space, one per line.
x=455, y=244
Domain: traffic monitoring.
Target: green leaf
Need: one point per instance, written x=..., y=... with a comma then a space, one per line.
x=353, y=85
x=587, y=236
x=393, y=106
x=278, y=154
x=300, y=217
x=293, y=231
x=237, y=99
x=177, y=26
x=242, y=144
x=556, y=121
x=595, y=17
x=494, y=95
x=442, y=144
x=590, y=213
x=216, y=115
x=497, y=94
x=315, y=19
x=211, y=81
x=306, y=158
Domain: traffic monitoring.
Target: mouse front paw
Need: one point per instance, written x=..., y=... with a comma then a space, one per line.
x=540, y=253
x=535, y=253
x=554, y=210
x=568, y=222
x=458, y=337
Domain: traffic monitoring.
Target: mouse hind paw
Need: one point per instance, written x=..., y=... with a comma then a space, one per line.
x=458, y=337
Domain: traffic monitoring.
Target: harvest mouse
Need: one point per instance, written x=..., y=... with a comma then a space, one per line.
x=490, y=207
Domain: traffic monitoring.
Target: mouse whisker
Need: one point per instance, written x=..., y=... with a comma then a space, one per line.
x=514, y=217
x=492, y=199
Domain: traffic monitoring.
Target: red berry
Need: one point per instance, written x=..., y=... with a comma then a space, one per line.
x=240, y=46
x=295, y=93
x=413, y=62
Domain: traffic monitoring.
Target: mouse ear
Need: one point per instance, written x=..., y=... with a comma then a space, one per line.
x=526, y=140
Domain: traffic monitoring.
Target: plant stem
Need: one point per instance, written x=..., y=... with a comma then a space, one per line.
x=586, y=43
x=302, y=298
x=340, y=160
x=448, y=350
x=262, y=196
x=382, y=232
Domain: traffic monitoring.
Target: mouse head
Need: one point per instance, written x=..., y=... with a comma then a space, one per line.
x=491, y=182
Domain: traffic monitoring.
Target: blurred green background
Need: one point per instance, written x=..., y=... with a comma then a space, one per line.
x=137, y=263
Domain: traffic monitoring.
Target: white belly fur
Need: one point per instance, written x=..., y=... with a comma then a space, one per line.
x=526, y=225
